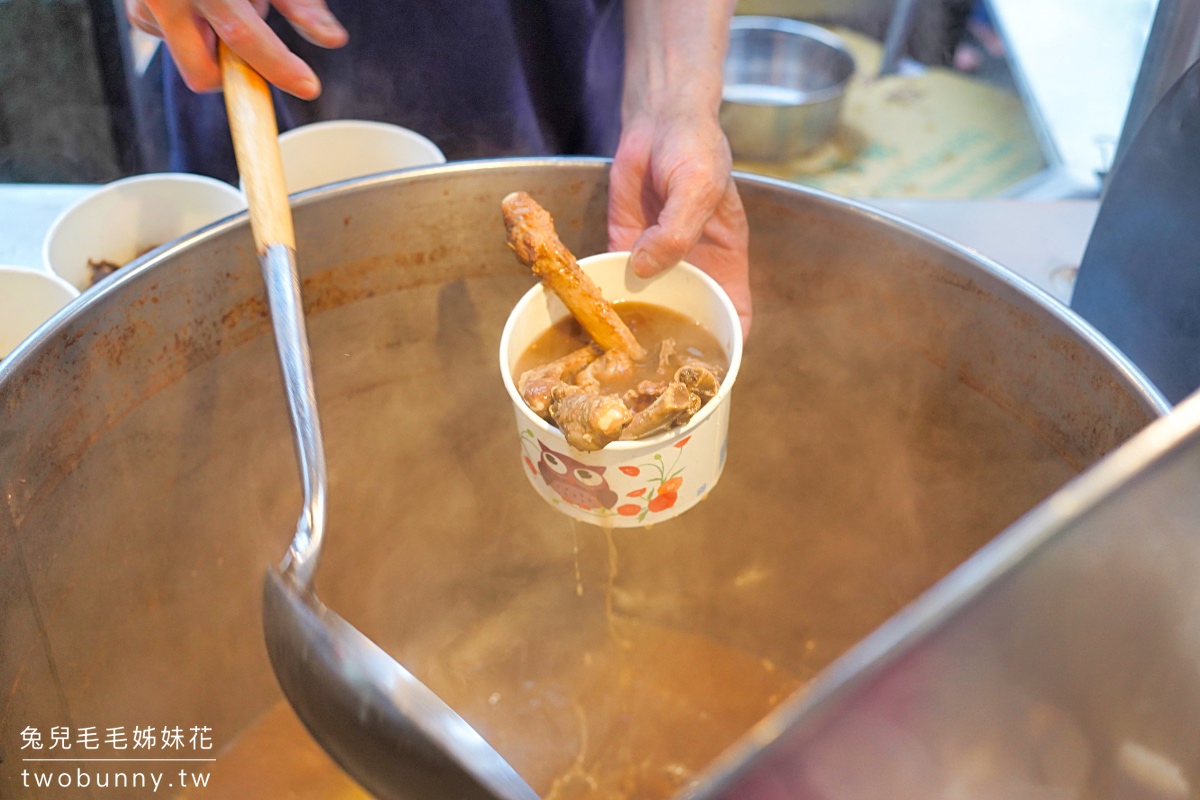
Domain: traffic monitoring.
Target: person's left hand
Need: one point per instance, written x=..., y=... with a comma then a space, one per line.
x=672, y=198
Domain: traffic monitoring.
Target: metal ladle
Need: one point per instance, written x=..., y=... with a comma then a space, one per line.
x=388, y=730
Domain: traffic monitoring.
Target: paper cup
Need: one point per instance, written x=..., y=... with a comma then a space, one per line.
x=27, y=299
x=637, y=483
x=328, y=152
x=126, y=218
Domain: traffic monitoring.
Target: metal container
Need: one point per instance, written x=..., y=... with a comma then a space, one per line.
x=1058, y=662
x=901, y=401
x=784, y=85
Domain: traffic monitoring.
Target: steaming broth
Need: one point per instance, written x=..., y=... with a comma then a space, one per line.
x=640, y=714
x=636, y=717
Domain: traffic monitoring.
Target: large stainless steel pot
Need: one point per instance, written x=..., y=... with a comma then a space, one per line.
x=901, y=402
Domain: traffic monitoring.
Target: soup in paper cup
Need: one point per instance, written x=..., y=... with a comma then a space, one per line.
x=634, y=483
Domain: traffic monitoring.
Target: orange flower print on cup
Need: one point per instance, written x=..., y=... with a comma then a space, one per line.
x=662, y=485
x=662, y=501
x=671, y=486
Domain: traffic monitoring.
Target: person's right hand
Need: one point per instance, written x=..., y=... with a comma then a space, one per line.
x=191, y=28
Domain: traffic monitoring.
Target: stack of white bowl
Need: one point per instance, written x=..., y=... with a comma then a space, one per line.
x=125, y=220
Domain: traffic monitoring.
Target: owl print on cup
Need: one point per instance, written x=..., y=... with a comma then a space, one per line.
x=575, y=482
x=645, y=490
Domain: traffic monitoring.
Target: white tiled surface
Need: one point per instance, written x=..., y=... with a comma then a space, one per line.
x=27, y=210
x=1040, y=241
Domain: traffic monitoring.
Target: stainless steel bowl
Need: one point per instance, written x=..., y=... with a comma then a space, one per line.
x=901, y=401
x=784, y=85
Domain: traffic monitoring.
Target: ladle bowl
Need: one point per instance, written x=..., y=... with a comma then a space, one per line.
x=901, y=401
x=378, y=721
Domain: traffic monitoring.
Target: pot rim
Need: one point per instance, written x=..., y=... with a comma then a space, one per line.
x=133, y=271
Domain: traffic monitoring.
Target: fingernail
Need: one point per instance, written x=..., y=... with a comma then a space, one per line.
x=643, y=265
x=311, y=86
x=328, y=23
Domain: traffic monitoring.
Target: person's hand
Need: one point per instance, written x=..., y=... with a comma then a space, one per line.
x=672, y=198
x=191, y=29
x=670, y=194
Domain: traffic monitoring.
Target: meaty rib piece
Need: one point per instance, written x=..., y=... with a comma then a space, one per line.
x=699, y=380
x=695, y=403
x=613, y=366
x=692, y=361
x=531, y=236
x=660, y=414
x=534, y=385
x=587, y=420
x=642, y=395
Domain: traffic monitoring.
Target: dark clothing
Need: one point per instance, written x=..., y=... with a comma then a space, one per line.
x=480, y=78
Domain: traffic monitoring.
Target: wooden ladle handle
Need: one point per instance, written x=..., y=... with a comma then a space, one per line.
x=256, y=145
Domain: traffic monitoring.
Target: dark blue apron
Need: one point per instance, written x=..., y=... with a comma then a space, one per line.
x=1139, y=282
x=480, y=78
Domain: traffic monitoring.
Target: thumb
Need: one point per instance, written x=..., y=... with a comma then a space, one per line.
x=665, y=243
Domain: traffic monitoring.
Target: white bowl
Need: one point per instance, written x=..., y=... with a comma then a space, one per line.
x=622, y=486
x=28, y=298
x=126, y=218
x=337, y=150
